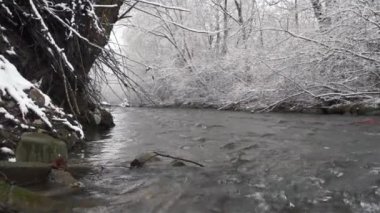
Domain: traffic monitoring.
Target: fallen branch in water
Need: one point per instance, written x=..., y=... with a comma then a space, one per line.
x=177, y=158
x=140, y=162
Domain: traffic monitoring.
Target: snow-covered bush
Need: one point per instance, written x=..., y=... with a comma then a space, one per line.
x=280, y=53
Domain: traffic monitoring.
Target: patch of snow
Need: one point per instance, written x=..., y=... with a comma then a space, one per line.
x=376, y=100
x=104, y=5
x=336, y=172
x=5, y=39
x=125, y=103
x=38, y=83
x=63, y=6
x=259, y=197
x=50, y=51
x=13, y=160
x=24, y=126
x=375, y=171
x=105, y=103
x=8, y=116
x=13, y=84
x=11, y=51
x=2, y=28
x=9, y=76
x=6, y=150
x=326, y=198
x=377, y=191
x=77, y=128
x=7, y=9
x=370, y=207
x=1, y=126
x=259, y=186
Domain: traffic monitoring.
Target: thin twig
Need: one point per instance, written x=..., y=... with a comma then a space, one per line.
x=177, y=158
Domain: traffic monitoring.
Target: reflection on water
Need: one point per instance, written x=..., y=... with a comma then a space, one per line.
x=254, y=163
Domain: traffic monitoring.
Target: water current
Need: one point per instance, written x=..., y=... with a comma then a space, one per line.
x=253, y=163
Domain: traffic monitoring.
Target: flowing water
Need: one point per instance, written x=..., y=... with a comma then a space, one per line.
x=253, y=163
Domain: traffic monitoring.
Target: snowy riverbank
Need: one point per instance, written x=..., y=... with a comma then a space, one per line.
x=369, y=107
x=25, y=108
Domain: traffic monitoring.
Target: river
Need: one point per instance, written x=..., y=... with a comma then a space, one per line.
x=253, y=163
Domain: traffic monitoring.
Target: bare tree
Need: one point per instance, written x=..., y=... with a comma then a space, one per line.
x=239, y=9
x=296, y=18
x=225, y=30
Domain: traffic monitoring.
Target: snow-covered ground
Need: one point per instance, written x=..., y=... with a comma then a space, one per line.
x=14, y=85
x=15, y=89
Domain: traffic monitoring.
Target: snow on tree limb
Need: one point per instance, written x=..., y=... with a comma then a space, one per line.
x=104, y=5
x=49, y=38
x=77, y=128
x=322, y=44
x=305, y=60
x=72, y=30
x=163, y=6
x=180, y=25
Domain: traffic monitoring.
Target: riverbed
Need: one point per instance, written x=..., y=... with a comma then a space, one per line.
x=253, y=163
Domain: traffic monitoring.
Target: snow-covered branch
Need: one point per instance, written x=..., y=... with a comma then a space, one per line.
x=178, y=24
x=105, y=6
x=163, y=6
x=49, y=38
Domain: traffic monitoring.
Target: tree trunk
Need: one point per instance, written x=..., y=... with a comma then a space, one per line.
x=296, y=20
x=320, y=13
x=239, y=8
x=217, y=29
x=225, y=26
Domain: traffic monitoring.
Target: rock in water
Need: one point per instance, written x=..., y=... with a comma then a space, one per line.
x=64, y=184
x=136, y=164
x=40, y=147
x=107, y=119
x=64, y=178
x=143, y=158
x=96, y=116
